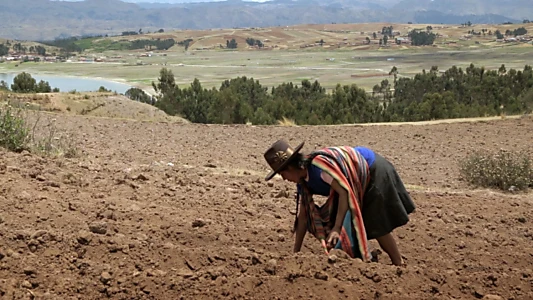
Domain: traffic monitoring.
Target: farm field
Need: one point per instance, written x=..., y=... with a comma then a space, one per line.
x=158, y=210
x=151, y=206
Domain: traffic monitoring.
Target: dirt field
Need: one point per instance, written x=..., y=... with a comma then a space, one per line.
x=181, y=211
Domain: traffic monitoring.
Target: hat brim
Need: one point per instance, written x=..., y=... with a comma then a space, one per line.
x=274, y=172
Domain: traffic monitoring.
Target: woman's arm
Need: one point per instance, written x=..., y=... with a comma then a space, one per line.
x=343, y=204
x=301, y=229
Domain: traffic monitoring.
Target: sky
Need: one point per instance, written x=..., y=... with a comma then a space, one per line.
x=167, y=1
x=181, y=1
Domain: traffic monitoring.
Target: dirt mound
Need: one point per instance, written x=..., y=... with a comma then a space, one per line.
x=96, y=104
x=181, y=211
x=120, y=107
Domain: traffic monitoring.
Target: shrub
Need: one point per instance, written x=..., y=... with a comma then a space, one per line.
x=13, y=130
x=504, y=170
x=18, y=132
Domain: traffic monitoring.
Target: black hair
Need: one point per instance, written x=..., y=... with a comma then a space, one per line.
x=299, y=161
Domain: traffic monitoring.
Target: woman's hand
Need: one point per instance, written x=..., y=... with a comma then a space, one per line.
x=341, y=211
x=333, y=238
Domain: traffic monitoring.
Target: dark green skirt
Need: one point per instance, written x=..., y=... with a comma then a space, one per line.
x=386, y=203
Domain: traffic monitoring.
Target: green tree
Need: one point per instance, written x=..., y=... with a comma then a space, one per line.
x=23, y=83
x=167, y=98
x=231, y=44
x=4, y=86
x=261, y=117
x=138, y=95
x=394, y=71
x=420, y=38
x=43, y=87
x=4, y=50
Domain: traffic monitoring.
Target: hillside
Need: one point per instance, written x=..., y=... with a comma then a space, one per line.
x=44, y=19
x=94, y=104
x=28, y=44
x=334, y=36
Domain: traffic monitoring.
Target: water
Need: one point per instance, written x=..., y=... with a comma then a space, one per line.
x=67, y=84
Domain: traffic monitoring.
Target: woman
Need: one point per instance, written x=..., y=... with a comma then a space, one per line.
x=366, y=197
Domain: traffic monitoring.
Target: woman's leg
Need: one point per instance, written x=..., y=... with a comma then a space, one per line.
x=388, y=244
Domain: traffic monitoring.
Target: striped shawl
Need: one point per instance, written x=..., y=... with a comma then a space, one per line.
x=347, y=166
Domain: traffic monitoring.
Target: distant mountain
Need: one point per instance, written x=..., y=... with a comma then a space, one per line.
x=437, y=17
x=44, y=19
x=512, y=9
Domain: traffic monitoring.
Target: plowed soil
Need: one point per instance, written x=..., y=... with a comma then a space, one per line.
x=181, y=211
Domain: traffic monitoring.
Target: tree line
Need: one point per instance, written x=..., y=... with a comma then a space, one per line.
x=253, y=42
x=4, y=50
x=66, y=45
x=157, y=43
x=421, y=38
x=25, y=83
x=429, y=95
x=18, y=47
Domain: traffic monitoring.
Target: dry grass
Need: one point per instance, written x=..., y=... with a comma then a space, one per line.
x=286, y=122
x=22, y=128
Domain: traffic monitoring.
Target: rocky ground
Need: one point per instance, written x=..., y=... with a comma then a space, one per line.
x=181, y=211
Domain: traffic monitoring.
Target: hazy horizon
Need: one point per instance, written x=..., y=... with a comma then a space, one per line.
x=167, y=1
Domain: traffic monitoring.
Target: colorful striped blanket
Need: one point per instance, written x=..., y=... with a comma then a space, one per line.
x=350, y=169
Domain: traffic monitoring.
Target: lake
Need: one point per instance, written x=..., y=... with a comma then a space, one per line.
x=67, y=84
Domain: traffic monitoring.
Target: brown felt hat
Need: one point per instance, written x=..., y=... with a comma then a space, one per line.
x=279, y=155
